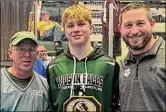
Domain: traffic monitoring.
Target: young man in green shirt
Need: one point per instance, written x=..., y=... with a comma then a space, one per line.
x=83, y=78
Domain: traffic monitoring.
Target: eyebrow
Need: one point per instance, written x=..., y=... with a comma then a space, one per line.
x=127, y=23
x=81, y=20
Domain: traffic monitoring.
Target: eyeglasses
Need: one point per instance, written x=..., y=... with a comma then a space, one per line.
x=22, y=51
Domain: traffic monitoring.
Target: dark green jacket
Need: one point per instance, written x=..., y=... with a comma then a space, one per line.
x=97, y=74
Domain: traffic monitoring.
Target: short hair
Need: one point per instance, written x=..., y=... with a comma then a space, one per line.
x=76, y=11
x=45, y=12
x=136, y=5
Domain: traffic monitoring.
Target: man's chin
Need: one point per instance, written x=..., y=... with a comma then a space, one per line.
x=136, y=47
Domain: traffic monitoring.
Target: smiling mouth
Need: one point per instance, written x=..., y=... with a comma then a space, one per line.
x=136, y=36
x=26, y=62
x=77, y=35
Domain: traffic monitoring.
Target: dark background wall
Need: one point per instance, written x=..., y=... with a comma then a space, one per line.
x=13, y=17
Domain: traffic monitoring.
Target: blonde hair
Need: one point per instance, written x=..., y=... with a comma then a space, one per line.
x=136, y=5
x=77, y=12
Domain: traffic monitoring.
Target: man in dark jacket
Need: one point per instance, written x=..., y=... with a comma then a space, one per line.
x=142, y=79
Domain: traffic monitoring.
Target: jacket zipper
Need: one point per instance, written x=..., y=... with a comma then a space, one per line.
x=137, y=64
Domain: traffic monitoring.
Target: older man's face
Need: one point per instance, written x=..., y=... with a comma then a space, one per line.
x=23, y=55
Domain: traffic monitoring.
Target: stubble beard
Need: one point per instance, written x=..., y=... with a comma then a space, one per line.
x=146, y=38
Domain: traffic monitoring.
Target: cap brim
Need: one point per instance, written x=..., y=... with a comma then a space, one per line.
x=18, y=40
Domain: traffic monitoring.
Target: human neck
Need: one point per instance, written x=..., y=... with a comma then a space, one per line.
x=20, y=74
x=147, y=47
x=81, y=51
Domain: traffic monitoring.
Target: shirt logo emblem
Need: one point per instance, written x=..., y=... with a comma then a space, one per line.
x=127, y=72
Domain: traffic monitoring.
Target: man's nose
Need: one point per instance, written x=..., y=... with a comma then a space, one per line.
x=27, y=53
x=135, y=30
x=76, y=29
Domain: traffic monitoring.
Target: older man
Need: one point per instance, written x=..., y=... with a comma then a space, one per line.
x=21, y=88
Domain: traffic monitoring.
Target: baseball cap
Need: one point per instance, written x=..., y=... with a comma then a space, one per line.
x=19, y=36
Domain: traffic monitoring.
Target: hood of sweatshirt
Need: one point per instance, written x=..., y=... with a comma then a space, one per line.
x=96, y=53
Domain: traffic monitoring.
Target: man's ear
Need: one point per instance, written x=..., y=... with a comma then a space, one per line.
x=10, y=53
x=37, y=53
x=119, y=27
x=91, y=27
x=152, y=22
